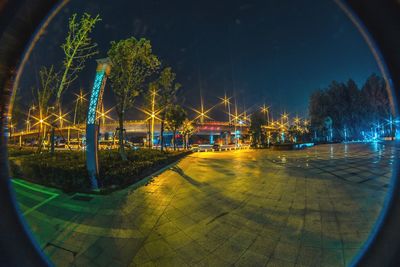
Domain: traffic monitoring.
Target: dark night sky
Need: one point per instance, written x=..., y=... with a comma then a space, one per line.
x=276, y=52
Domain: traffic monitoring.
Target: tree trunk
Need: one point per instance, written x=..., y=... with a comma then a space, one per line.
x=174, y=138
x=121, y=137
x=52, y=140
x=52, y=136
x=150, y=142
x=162, y=133
x=39, y=140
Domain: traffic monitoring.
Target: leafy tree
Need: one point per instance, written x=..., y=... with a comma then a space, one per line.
x=78, y=47
x=175, y=116
x=167, y=88
x=353, y=111
x=187, y=130
x=132, y=63
x=318, y=105
x=257, y=121
x=376, y=98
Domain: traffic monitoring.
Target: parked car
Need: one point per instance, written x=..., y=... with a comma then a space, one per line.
x=216, y=147
x=194, y=147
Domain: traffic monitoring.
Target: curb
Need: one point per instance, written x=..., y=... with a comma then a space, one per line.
x=139, y=183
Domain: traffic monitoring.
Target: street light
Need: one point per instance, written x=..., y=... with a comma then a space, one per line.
x=201, y=114
x=296, y=121
x=265, y=110
x=227, y=104
x=61, y=118
x=28, y=120
x=284, y=123
x=103, y=114
x=392, y=123
x=152, y=114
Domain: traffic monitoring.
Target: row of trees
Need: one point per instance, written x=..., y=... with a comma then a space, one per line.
x=77, y=48
x=135, y=71
x=344, y=111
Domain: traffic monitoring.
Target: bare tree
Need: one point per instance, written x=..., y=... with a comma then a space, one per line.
x=78, y=47
x=48, y=83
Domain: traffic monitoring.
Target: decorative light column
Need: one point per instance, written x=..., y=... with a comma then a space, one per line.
x=102, y=71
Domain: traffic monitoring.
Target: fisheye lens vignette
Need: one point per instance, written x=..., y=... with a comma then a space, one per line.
x=233, y=175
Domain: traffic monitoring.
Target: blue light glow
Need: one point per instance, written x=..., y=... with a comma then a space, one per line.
x=94, y=98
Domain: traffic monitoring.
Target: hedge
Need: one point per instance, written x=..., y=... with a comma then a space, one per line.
x=66, y=170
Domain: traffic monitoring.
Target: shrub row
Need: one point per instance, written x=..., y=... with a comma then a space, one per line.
x=67, y=169
x=15, y=151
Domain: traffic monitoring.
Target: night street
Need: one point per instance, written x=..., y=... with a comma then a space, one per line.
x=312, y=207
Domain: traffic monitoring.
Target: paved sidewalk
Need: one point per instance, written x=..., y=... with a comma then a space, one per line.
x=314, y=207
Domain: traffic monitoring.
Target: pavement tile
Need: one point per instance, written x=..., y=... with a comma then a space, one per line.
x=274, y=262
x=286, y=251
x=332, y=257
x=300, y=208
x=157, y=248
x=178, y=240
x=250, y=258
x=309, y=256
x=193, y=252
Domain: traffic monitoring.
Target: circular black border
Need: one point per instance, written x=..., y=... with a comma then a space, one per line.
x=18, y=22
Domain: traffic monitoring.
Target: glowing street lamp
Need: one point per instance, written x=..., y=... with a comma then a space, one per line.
x=284, y=119
x=28, y=120
x=283, y=125
x=103, y=114
x=12, y=128
x=306, y=123
x=152, y=114
x=202, y=113
x=61, y=117
x=296, y=121
x=391, y=123
x=265, y=110
x=227, y=104
x=41, y=121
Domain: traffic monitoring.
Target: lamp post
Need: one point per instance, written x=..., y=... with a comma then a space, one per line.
x=227, y=104
x=296, y=125
x=265, y=111
x=153, y=115
x=79, y=100
x=28, y=120
x=45, y=125
x=284, y=123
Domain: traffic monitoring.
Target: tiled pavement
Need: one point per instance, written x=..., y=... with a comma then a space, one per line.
x=246, y=208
